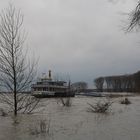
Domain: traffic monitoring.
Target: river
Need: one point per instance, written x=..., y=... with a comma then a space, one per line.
x=75, y=123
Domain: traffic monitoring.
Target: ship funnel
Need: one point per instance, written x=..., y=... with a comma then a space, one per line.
x=50, y=76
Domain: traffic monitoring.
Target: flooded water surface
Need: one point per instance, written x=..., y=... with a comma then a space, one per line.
x=56, y=122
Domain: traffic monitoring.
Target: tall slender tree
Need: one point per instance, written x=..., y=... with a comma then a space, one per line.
x=16, y=72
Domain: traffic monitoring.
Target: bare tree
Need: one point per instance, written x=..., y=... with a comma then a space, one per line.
x=16, y=72
x=119, y=83
x=135, y=18
x=99, y=83
x=79, y=86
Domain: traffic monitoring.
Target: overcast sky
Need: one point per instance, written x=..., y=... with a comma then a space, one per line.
x=80, y=38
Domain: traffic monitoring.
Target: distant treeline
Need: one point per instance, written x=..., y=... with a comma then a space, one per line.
x=120, y=83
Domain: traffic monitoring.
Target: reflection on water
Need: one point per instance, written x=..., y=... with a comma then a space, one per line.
x=74, y=123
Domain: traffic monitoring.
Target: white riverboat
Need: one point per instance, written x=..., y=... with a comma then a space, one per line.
x=47, y=87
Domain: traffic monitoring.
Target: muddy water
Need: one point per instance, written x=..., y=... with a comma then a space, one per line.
x=75, y=123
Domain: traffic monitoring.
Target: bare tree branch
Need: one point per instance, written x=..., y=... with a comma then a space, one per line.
x=135, y=18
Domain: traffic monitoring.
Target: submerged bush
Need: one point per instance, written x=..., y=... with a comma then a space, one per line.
x=65, y=101
x=100, y=106
x=2, y=112
x=125, y=101
x=42, y=127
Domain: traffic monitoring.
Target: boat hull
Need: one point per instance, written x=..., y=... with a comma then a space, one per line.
x=57, y=94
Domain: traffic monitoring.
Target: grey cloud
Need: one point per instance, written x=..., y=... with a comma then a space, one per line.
x=81, y=38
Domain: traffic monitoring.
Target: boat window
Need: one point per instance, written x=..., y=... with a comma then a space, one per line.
x=44, y=89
